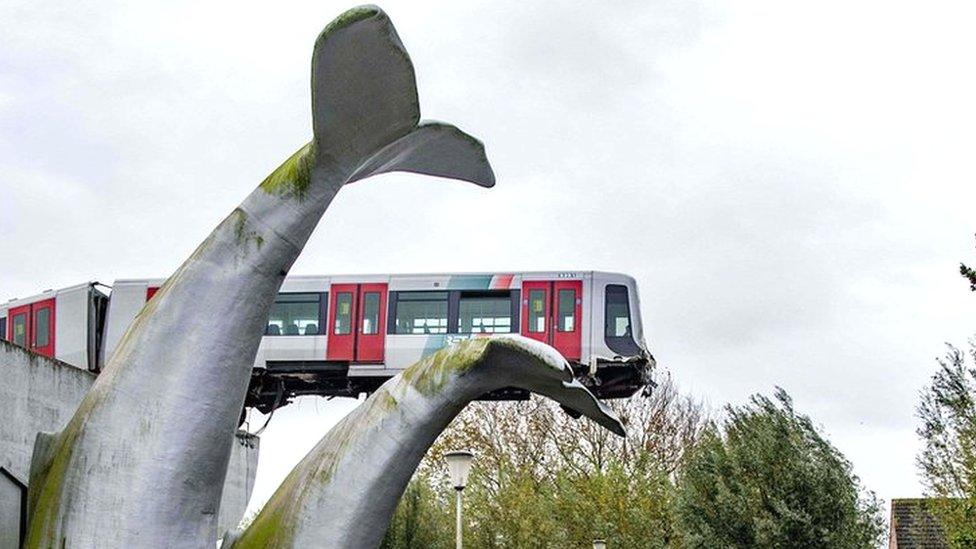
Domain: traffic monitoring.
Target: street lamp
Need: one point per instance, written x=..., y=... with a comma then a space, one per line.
x=599, y=544
x=459, y=465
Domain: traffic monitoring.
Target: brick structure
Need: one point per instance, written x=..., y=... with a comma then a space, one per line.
x=915, y=525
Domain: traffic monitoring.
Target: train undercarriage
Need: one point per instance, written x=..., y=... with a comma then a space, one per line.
x=282, y=381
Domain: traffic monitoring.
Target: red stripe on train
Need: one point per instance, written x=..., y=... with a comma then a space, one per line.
x=501, y=282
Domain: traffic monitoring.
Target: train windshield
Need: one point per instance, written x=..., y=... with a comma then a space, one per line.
x=618, y=331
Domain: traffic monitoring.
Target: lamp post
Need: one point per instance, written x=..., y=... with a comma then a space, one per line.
x=459, y=465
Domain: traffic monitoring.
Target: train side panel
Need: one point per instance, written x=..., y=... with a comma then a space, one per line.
x=128, y=298
x=55, y=323
x=71, y=326
x=279, y=345
x=409, y=344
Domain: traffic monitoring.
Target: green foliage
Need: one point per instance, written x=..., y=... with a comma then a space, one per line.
x=626, y=510
x=969, y=274
x=947, y=411
x=958, y=518
x=421, y=519
x=542, y=479
x=564, y=512
x=768, y=479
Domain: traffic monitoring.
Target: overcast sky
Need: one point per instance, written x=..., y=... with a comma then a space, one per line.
x=792, y=184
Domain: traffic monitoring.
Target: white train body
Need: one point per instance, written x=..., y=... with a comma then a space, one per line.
x=342, y=335
x=63, y=324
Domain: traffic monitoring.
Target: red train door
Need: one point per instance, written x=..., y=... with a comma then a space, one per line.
x=371, y=335
x=551, y=313
x=32, y=326
x=357, y=323
x=342, y=318
x=42, y=327
x=535, y=310
x=18, y=330
x=567, y=311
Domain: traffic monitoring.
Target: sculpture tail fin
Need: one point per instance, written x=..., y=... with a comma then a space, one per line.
x=45, y=445
x=365, y=109
x=543, y=370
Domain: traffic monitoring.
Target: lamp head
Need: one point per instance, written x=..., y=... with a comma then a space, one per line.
x=459, y=465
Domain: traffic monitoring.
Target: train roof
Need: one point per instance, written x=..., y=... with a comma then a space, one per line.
x=46, y=294
x=564, y=273
x=49, y=293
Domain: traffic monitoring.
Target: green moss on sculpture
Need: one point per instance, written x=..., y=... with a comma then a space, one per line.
x=294, y=175
x=349, y=17
x=240, y=224
x=431, y=374
x=268, y=530
x=46, y=504
x=388, y=401
x=242, y=234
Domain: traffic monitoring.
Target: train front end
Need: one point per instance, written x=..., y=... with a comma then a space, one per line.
x=619, y=362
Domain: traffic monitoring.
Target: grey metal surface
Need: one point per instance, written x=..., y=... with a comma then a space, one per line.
x=239, y=484
x=343, y=493
x=143, y=460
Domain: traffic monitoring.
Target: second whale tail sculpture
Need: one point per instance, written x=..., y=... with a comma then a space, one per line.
x=344, y=492
x=142, y=462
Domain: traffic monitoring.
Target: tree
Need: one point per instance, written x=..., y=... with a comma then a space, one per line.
x=764, y=478
x=543, y=479
x=969, y=274
x=767, y=478
x=421, y=519
x=947, y=461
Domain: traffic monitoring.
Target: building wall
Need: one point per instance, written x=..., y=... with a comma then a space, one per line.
x=12, y=499
x=40, y=394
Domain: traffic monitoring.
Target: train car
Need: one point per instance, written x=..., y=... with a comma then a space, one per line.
x=65, y=324
x=345, y=335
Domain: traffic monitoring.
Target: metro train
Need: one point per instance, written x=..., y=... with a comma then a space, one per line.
x=345, y=335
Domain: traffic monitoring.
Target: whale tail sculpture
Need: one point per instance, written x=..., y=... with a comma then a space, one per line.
x=344, y=492
x=142, y=462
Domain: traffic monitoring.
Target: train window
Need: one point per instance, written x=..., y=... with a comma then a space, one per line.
x=42, y=327
x=537, y=311
x=19, y=330
x=343, y=317
x=371, y=313
x=421, y=313
x=295, y=314
x=485, y=313
x=3, y=329
x=618, y=312
x=566, y=309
